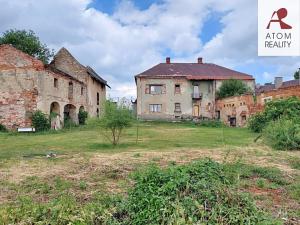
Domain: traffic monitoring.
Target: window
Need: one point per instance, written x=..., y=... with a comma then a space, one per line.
x=218, y=114
x=82, y=90
x=70, y=90
x=98, y=98
x=177, y=107
x=177, y=89
x=155, y=108
x=55, y=82
x=155, y=89
x=97, y=112
x=244, y=117
x=196, y=93
x=267, y=99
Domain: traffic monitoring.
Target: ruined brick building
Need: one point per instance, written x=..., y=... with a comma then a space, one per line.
x=174, y=91
x=236, y=110
x=61, y=88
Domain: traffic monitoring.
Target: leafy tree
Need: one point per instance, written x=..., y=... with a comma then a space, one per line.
x=296, y=75
x=40, y=121
x=28, y=42
x=232, y=87
x=115, y=119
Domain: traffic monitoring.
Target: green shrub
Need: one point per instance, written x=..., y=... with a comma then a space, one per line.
x=198, y=193
x=283, y=134
x=40, y=121
x=2, y=128
x=82, y=116
x=211, y=123
x=257, y=122
x=274, y=110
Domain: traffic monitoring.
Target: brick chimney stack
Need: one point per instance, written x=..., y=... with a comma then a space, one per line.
x=278, y=82
x=200, y=60
x=168, y=60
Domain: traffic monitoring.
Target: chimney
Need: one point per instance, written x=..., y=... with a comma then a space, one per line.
x=200, y=60
x=168, y=60
x=278, y=82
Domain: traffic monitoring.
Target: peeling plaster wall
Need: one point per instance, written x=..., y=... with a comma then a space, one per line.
x=168, y=99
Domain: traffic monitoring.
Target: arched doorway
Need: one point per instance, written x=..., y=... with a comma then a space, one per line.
x=70, y=114
x=55, y=116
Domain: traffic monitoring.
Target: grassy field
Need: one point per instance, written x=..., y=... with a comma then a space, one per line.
x=88, y=167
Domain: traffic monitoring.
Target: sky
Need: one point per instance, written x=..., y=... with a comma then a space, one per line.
x=122, y=38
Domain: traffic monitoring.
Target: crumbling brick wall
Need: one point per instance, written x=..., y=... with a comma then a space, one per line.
x=16, y=108
x=238, y=107
x=18, y=89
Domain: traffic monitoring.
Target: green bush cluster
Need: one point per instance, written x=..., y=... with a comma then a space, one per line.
x=283, y=134
x=40, y=121
x=82, y=116
x=283, y=108
x=2, y=128
x=279, y=124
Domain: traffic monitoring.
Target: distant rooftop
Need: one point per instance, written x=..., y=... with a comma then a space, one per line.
x=270, y=86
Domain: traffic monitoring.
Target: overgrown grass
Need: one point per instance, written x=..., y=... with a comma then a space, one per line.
x=203, y=192
x=152, y=136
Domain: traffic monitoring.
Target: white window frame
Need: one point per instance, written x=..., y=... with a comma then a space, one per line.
x=155, y=108
x=154, y=91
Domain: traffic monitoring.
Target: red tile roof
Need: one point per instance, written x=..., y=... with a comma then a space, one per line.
x=194, y=71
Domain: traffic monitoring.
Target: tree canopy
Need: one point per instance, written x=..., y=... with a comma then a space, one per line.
x=232, y=87
x=296, y=75
x=28, y=42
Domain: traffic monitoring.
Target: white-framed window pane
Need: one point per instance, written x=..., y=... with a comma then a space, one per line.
x=155, y=107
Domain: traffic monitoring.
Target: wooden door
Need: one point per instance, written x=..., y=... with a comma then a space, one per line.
x=196, y=110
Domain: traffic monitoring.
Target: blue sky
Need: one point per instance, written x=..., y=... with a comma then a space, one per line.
x=121, y=38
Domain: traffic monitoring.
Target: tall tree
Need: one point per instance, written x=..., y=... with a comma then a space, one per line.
x=28, y=42
x=232, y=87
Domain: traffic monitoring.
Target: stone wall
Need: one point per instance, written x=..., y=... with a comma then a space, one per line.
x=27, y=86
x=244, y=106
x=235, y=111
x=280, y=93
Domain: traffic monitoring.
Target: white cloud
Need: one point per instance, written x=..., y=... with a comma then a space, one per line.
x=131, y=40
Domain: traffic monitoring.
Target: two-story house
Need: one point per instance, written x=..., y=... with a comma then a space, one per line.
x=171, y=91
